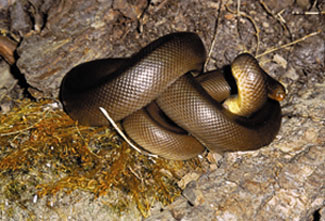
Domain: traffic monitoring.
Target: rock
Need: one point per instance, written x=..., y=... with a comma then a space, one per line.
x=7, y=82
x=130, y=9
x=283, y=181
x=279, y=189
x=280, y=60
x=74, y=33
x=20, y=20
x=187, y=179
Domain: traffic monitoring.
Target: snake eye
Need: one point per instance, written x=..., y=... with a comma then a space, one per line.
x=280, y=92
x=280, y=95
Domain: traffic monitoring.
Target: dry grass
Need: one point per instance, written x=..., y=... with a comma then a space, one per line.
x=43, y=152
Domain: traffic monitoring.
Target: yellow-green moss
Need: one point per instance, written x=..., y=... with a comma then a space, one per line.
x=57, y=155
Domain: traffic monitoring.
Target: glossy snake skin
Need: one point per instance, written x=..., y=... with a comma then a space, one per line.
x=167, y=111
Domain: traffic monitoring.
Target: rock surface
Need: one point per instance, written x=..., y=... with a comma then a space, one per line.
x=283, y=181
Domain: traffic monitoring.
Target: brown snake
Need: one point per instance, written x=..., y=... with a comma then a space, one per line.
x=166, y=111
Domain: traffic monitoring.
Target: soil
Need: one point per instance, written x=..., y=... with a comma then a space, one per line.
x=44, y=39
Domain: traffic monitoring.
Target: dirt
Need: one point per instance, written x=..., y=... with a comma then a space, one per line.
x=282, y=181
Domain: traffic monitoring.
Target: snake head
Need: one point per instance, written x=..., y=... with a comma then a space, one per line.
x=276, y=90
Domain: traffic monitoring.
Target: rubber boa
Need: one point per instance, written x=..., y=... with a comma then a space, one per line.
x=169, y=112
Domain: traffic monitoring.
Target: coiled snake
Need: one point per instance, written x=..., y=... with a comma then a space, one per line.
x=169, y=112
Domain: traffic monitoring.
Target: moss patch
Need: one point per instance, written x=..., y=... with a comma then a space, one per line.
x=43, y=152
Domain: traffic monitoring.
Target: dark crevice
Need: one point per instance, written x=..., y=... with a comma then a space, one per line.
x=189, y=203
x=316, y=215
x=139, y=25
x=22, y=82
x=230, y=79
x=45, y=17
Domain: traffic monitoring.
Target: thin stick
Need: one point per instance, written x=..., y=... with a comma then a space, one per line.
x=214, y=41
x=277, y=17
x=238, y=7
x=257, y=30
x=120, y=132
x=289, y=44
x=309, y=13
x=243, y=14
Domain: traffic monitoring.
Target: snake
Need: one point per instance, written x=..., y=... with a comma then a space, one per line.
x=169, y=107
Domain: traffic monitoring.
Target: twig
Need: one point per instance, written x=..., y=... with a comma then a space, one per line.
x=214, y=41
x=309, y=13
x=120, y=132
x=278, y=17
x=289, y=44
x=257, y=30
x=82, y=137
x=135, y=174
x=7, y=49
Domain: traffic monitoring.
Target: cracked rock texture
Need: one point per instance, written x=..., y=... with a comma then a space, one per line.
x=283, y=181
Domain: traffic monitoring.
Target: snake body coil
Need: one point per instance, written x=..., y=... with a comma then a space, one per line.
x=166, y=110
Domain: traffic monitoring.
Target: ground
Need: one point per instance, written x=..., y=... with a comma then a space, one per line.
x=46, y=176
